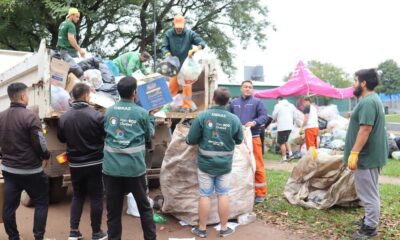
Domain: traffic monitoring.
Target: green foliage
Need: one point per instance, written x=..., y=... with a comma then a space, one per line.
x=393, y=118
x=390, y=77
x=392, y=168
x=112, y=27
x=330, y=73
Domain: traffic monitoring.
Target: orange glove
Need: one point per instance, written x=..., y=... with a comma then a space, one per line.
x=352, y=162
x=193, y=51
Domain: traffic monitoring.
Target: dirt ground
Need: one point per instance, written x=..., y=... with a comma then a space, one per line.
x=58, y=226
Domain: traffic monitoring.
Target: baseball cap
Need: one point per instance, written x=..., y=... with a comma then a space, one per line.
x=72, y=11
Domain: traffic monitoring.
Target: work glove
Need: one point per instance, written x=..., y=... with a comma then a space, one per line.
x=352, y=162
x=168, y=54
x=193, y=51
x=314, y=153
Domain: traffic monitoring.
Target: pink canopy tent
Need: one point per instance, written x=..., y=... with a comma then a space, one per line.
x=304, y=82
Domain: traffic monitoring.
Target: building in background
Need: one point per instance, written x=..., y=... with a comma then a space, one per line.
x=254, y=73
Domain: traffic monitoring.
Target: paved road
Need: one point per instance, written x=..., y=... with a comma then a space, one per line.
x=393, y=126
x=58, y=226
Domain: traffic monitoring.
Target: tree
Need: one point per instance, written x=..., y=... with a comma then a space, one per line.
x=390, y=77
x=330, y=73
x=112, y=27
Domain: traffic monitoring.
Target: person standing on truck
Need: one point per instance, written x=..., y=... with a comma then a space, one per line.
x=216, y=131
x=181, y=42
x=366, y=149
x=82, y=128
x=130, y=62
x=67, y=44
x=23, y=151
x=284, y=114
x=252, y=113
x=128, y=127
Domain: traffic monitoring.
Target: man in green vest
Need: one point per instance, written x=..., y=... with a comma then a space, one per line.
x=128, y=127
x=366, y=149
x=130, y=62
x=216, y=131
x=66, y=43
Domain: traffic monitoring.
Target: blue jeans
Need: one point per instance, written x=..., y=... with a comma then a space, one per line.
x=209, y=183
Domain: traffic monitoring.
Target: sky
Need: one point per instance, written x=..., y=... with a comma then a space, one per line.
x=351, y=34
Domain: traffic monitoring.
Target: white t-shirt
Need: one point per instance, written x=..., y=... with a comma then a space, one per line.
x=312, y=117
x=284, y=113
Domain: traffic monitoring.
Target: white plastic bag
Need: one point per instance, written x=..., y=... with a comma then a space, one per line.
x=93, y=76
x=59, y=99
x=190, y=72
x=132, y=206
x=396, y=155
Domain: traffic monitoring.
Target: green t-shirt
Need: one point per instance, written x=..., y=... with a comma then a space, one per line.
x=369, y=111
x=66, y=27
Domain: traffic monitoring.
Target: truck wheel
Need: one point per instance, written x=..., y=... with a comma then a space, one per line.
x=26, y=200
x=57, y=192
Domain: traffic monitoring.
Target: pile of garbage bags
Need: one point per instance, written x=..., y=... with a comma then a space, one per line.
x=101, y=76
x=333, y=129
x=179, y=184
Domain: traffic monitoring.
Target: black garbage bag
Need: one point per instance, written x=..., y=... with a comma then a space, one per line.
x=90, y=63
x=169, y=67
x=110, y=88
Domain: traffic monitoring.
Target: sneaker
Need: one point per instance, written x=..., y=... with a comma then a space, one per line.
x=201, y=233
x=224, y=233
x=284, y=161
x=99, y=235
x=365, y=232
x=259, y=199
x=75, y=235
x=291, y=157
x=359, y=223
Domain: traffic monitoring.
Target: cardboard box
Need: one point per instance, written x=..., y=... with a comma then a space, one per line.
x=154, y=94
x=72, y=80
x=58, y=72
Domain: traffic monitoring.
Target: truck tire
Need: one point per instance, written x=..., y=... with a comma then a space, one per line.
x=57, y=192
x=26, y=200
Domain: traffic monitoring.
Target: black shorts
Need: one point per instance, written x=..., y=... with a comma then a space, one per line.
x=283, y=136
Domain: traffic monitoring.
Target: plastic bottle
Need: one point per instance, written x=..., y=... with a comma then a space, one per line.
x=159, y=219
x=247, y=218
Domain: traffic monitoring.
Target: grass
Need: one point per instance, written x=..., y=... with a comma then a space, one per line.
x=393, y=118
x=391, y=169
x=272, y=156
x=334, y=223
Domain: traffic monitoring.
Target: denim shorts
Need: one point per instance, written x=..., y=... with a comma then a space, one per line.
x=208, y=183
